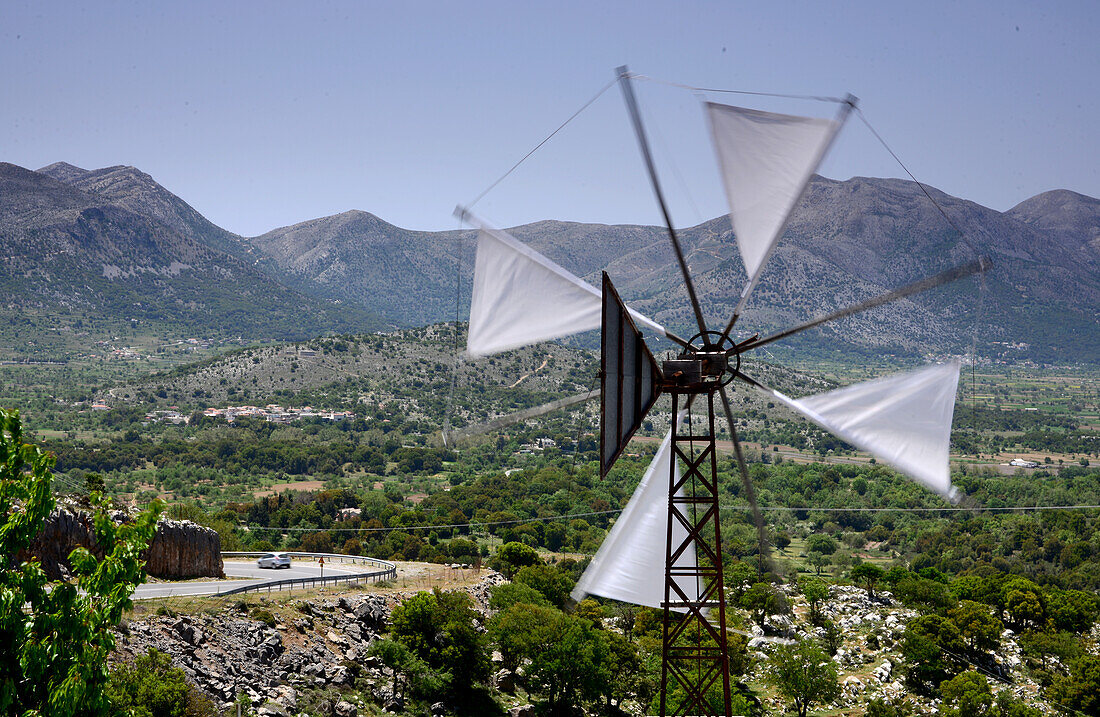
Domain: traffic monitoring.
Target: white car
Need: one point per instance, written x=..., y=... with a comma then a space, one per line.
x=274, y=560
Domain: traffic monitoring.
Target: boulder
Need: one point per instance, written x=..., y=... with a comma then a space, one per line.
x=372, y=612
x=272, y=709
x=341, y=676
x=346, y=709
x=287, y=696
x=182, y=549
x=505, y=681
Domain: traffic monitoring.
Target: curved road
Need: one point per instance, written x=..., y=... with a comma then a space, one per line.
x=243, y=569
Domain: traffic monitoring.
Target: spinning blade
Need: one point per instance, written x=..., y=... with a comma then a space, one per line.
x=904, y=420
x=622, y=569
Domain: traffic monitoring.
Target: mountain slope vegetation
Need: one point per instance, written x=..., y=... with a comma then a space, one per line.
x=75, y=259
x=846, y=241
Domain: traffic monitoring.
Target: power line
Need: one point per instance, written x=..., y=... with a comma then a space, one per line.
x=477, y=524
x=944, y=509
x=774, y=508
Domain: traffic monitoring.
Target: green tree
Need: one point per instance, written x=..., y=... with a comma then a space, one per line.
x=1043, y=645
x=1024, y=608
x=589, y=609
x=568, y=658
x=506, y=595
x=55, y=636
x=868, y=574
x=929, y=645
x=621, y=671
x=823, y=544
x=151, y=687
x=966, y=695
x=552, y=583
x=1072, y=610
x=739, y=576
x=513, y=556
x=761, y=600
x=818, y=561
x=804, y=674
x=409, y=670
x=979, y=629
x=1080, y=689
x=815, y=591
x=441, y=628
x=1009, y=706
x=924, y=594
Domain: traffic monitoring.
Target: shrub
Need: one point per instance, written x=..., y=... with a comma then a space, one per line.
x=151, y=687
x=512, y=556
x=264, y=616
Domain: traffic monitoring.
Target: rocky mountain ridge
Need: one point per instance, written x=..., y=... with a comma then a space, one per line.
x=846, y=241
x=74, y=256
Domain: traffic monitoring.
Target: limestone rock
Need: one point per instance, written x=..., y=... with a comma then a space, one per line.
x=182, y=549
x=505, y=681
x=179, y=549
x=346, y=709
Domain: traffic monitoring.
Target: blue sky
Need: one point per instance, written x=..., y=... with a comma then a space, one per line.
x=263, y=114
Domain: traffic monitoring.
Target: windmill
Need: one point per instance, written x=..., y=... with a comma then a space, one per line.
x=521, y=297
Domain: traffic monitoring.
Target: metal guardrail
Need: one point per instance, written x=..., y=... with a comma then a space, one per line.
x=387, y=571
x=310, y=556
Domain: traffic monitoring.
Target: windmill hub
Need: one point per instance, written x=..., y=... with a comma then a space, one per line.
x=704, y=366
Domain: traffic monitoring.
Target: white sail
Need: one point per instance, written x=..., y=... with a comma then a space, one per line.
x=520, y=297
x=630, y=564
x=902, y=420
x=766, y=161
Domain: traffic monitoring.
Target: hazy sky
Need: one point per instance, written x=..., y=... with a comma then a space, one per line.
x=263, y=114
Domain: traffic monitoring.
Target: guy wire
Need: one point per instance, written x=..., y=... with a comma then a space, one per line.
x=538, y=146
x=973, y=248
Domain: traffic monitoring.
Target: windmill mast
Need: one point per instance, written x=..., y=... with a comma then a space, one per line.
x=908, y=429
x=694, y=652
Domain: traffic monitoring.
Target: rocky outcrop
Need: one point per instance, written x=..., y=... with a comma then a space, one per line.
x=279, y=655
x=234, y=651
x=180, y=549
x=62, y=532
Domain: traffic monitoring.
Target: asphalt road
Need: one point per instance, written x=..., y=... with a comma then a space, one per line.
x=243, y=569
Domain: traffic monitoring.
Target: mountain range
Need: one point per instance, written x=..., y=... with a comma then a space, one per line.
x=113, y=242
x=111, y=249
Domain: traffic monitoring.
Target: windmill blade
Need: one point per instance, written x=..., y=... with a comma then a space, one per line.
x=746, y=484
x=520, y=416
x=521, y=297
x=903, y=420
x=628, y=378
x=766, y=160
x=960, y=271
x=624, y=566
x=647, y=156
